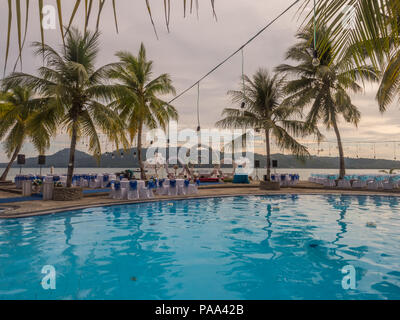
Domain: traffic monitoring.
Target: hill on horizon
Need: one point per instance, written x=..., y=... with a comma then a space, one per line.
x=128, y=160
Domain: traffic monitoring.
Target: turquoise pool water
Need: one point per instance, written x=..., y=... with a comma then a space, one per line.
x=255, y=247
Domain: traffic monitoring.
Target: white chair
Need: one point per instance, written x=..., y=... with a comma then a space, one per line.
x=119, y=192
x=163, y=190
x=173, y=188
x=192, y=189
x=112, y=191
x=359, y=184
x=389, y=185
x=374, y=185
x=94, y=182
x=344, y=184
x=180, y=184
x=143, y=191
x=84, y=183
x=329, y=183
x=133, y=192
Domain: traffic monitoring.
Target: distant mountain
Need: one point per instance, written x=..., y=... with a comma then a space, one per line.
x=129, y=160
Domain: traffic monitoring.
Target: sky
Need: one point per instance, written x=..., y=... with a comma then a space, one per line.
x=195, y=45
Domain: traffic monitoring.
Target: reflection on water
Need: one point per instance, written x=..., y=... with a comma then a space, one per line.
x=259, y=247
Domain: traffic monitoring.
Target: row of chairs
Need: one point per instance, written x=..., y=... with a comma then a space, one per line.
x=137, y=189
x=377, y=182
x=92, y=181
x=286, y=180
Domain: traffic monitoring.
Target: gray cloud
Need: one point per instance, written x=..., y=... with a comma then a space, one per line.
x=194, y=46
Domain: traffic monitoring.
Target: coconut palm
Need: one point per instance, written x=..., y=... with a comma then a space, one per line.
x=325, y=87
x=76, y=92
x=19, y=109
x=262, y=109
x=137, y=97
x=369, y=30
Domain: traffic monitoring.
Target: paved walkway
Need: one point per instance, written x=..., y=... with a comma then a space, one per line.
x=33, y=208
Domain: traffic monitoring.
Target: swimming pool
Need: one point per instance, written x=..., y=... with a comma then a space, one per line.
x=250, y=247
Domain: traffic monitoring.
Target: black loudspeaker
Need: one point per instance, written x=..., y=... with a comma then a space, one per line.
x=257, y=163
x=42, y=160
x=21, y=159
x=274, y=163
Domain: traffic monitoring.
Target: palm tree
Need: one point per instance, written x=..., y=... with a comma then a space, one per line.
x=76, y=92
x=137, y=100
x=369, y=30
x=261, y=99
x=324, y=87
x=19, y=110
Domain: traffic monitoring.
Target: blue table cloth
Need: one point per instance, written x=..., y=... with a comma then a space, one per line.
x=241, y=178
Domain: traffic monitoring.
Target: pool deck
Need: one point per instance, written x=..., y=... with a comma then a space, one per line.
x=36, y=208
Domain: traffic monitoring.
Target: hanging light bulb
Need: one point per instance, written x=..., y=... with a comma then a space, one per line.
x=198, y=128
x=316, y=62
x=243, y=105
x=151, y=142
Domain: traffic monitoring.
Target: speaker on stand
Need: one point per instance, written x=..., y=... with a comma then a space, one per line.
x=274, y=165
x=41, y=162
x=20, y=161
x=256, y=166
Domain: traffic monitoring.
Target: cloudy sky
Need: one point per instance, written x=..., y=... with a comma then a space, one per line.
x=194, y=46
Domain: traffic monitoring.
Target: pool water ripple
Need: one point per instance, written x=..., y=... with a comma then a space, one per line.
x=249, y=247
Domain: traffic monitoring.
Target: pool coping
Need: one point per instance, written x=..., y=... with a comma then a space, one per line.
x=181, y=198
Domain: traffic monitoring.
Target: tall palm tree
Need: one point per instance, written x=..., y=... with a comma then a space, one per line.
x=324, y=87
x=76, y=92
x=19, y=109
x=261, y=99
x=137, y=97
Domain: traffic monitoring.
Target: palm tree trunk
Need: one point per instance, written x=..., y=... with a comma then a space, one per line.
x=268, y=147
x=342, y=171
x=71, y=163
x=5, y=173
x=139, y=150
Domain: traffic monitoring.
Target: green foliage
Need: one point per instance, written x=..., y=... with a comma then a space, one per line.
x=262, y=95
x=137, y=95
x=76, y=92
x=324, y=87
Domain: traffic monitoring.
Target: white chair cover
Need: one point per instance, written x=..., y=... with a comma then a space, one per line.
x=344, y=184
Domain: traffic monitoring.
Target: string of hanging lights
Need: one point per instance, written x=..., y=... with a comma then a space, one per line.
x=236, y=51
x=244, y=86
x=198, y=107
